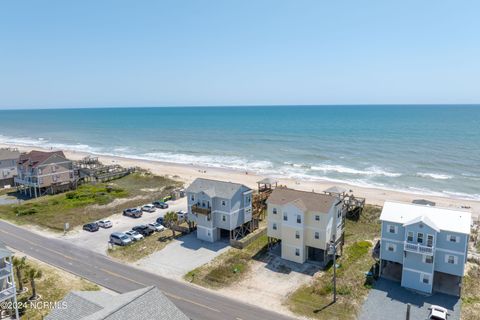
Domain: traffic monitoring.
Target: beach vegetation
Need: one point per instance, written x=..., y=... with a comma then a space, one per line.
x=470, y=294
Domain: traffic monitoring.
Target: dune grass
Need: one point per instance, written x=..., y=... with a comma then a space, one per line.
x=471, y=293
x=314, y=300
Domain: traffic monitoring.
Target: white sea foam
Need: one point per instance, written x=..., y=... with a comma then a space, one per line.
x=371, y=171
x=437, y=176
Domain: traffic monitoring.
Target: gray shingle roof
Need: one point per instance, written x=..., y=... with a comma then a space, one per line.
x=144, y=304
x=216, y=188
x=9, y=154
x=310, y=201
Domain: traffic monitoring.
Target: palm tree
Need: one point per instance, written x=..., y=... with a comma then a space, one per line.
x=19, y=264
x=171, y=220
x=33, y=274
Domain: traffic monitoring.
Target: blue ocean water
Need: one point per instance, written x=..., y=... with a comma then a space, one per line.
x=427, y=149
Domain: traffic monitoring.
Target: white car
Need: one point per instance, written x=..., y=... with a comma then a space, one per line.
x=156, y=226
x=105, y=224
x=149, y=208
x=437, y=313
x=182, y=215
x=134, y=235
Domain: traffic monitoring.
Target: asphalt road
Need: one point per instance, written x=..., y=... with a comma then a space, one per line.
x=197, y=303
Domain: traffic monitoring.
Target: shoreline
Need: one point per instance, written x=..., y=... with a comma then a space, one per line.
x=187, y=173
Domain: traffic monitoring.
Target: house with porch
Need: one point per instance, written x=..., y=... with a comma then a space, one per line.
x=42, y=172
x=424, y=247
x=306, y=224
x=8, y=166
x=8, y=293
x=219, y=208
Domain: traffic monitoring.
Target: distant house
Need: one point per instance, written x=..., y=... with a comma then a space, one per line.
x=8, y=293
x=44, y=172
x=306, y=223
x=215, y=206
x=424, y=247
x=8, y=166
x=143, y=304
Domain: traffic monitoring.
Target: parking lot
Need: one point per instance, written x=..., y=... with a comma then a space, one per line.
x=98, y=241
x=388, y=300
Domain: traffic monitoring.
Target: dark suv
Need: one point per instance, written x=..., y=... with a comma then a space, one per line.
x=160, y=204
x=91, y=227
x=144, y=230
x=132, y=212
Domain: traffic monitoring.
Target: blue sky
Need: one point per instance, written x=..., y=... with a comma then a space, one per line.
x=191, y=52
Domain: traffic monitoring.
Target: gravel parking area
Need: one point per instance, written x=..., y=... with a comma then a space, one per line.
x=98, y=241
x=388, y=300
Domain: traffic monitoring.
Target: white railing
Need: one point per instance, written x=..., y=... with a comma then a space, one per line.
x=418, y=248
x=7, y=293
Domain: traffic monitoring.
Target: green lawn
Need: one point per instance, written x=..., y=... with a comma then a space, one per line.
x=314, y=300
x=229, y=267
x=88, y=202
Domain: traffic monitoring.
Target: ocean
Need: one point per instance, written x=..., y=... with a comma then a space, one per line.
x=426, y=149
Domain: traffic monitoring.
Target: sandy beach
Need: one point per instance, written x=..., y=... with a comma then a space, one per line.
x=187, y=173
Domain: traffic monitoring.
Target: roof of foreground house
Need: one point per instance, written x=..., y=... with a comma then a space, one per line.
x=144, y=304
x=8, y=154
x=4, y=252
x=311, y=201
x=454, y=220
x=35, y=157
x=216, y=188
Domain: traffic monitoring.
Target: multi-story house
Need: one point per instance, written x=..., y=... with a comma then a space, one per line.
x=44, y=172
x=424, y=247
x=307, y=223
x=8, y=166
x=217, y=208
x=8, y=293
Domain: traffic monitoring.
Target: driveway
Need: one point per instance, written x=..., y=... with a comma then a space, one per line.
x=182, y=255
x=98, y=241
x=388, y=300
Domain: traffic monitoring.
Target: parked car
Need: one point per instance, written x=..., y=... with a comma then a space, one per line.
x=120, y=239
x=144, y=230
x=182, y=215
x=149, y=208
x=105, y=224
x=156, y=226
x=92, y=227
x=160, y=204
x=134, y=235
x=132, y=212
x=160, y=220
x=437, y=313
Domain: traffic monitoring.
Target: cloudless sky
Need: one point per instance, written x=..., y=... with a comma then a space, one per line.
x=92, y=53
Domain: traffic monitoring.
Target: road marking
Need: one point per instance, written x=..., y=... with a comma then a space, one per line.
x=190, y=301
x=122, y=277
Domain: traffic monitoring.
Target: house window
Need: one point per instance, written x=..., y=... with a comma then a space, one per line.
x=274, y=226
x=224, y=218
x=339, y=213
x=274, y=210
x=428, y=259
x=429, y=240
x=410, y=236
x=425, y=278
x=223, y=203
x=299, y=219
x=451, y=259
x=55, y=178
x=392, y=229
x=317, y=218
x=391, y=247
x=420, y=237
x=317, y=235
x=297, y=252
x=297, y=234
x=453, y=238
x=192, y=197
x=285, y=217
x=248, y=200
x=39, y=171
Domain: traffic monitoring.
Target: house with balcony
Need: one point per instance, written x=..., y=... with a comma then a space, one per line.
x=424, y=247
x=306, y=224
x=218, y=208
x=8, y=293
x=42, y=173
x=8, y=166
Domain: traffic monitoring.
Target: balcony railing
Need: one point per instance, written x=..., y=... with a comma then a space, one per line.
x=418, y=248
x=201, y=210
x=7, y=293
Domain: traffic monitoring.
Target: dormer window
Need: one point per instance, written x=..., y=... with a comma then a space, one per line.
x=224, y=203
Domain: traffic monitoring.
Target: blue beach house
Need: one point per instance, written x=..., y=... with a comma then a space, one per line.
x=424, y=247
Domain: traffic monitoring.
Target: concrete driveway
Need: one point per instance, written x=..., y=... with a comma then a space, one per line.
x=388, y=300
x=182, y=255
x=98, y=241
